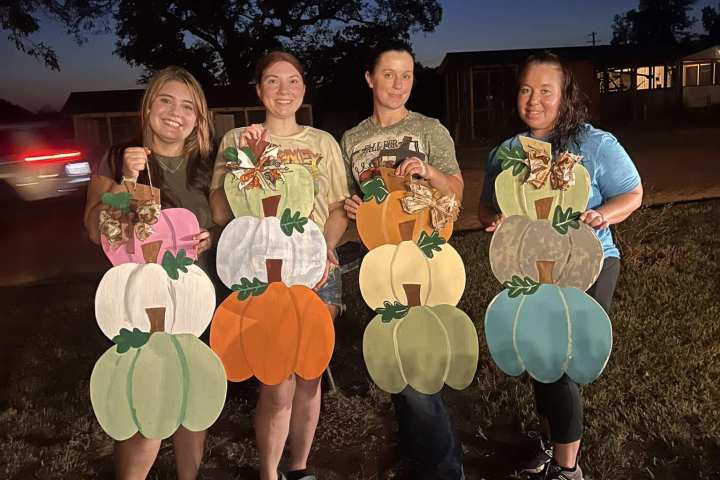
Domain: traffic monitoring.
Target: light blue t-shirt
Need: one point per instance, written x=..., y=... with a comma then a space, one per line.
x=611, y=170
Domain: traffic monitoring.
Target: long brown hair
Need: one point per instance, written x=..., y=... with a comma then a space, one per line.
x=198, y=148
x=570, y=125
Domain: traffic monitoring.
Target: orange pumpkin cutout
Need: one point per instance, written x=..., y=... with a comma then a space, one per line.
x=274, y=332
x=381, y=216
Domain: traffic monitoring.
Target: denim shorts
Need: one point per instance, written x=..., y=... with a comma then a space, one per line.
x=331, y=292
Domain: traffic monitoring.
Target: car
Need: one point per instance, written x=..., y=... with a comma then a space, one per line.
x=38, y=162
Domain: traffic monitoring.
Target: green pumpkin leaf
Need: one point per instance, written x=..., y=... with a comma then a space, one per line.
x=521, y=286
x=564, y=220
x=250, y=154
x=126, y=339
x=120, y=200
x=429, y=243
x=392, y=311
x=290, y=222
x=512, y=157
x=248, y=288
x=231, y=154
x=174, y=265
x=374, y=188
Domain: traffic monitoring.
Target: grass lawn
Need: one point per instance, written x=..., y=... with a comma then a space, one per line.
x=653, y=414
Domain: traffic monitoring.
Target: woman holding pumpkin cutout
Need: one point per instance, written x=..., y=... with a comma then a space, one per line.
x=427, y=438
x=290, y=410
x=176, y=157
x=550, y=103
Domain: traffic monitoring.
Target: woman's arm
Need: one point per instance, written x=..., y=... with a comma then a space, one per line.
x=615, y=210
x=446, y=183
x=219, y=207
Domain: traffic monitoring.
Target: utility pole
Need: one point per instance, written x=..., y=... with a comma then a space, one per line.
x=593, y=35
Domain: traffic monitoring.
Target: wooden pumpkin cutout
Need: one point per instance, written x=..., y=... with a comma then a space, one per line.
x=175, y=229
x=270, y=330
x=547, y=330
x=153, y=382
x=516, y=195
x=380, y=217
x=246, y=243
x=430, y=262
x=421, y=346
x=256, y=173
x=128, y=290
x=520, y=242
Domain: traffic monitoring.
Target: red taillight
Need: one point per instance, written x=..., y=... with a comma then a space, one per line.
x=55, y=156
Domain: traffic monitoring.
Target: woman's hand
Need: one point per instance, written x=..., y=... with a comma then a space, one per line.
x=594, y=218
x=203, y=240
x=254, y=132
x=415, y=166
x=134, y=161
x=332, y=262
x=351, y=206
x=492, y=223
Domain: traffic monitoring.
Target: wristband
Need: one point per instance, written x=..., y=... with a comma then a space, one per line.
x=124, y=179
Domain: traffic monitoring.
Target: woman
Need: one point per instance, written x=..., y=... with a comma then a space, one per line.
x=292, y=408
x=177, y=147
x=426, y=434
x=551, y=105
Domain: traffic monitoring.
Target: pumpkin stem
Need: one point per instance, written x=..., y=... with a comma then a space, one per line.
x=274, y=270
x=392, y=181
x=545, y=270
x=412, y=292
x=270, y=205
x=542, y=207
x=157, y=319
x=406, y=230
x=150, y=250
x=129, y=233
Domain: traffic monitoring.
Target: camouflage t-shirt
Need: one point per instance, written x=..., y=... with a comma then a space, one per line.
x=368, y=146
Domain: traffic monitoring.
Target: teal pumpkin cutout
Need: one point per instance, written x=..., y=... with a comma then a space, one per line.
x=260, y=175
x=547, y=330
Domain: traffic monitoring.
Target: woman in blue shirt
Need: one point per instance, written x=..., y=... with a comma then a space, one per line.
x=551, y=104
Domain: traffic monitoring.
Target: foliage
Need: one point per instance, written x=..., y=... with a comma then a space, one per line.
x=564, y=220
x=430, y=243
x=392, y=311
x=654, y=23
x=126, y=339
x=374, y=188
x=521, y=286
x=174, y=265
x=290, y=222
x=248, y=288
x=711, y=23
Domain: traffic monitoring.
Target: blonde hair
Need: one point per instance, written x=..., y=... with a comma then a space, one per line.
x=199, y=142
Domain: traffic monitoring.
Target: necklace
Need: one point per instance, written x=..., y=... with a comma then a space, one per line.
x=167, y=167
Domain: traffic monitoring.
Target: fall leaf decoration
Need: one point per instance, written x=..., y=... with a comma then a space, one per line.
x=374, y=189
x=563, y=220
x=521, y=286
x=256, y=165
x=292, y=221
x=513, y=158
x=248, y=288
x=392, y=311
x=430, y=243
x=173, y=265
x=127, y=339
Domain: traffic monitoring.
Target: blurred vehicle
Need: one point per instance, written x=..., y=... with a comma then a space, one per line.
x=36, y=162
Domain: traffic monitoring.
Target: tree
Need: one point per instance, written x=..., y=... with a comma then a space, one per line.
x=711, y=23
x=220, y=40
x=655, y=22
x=20, y=18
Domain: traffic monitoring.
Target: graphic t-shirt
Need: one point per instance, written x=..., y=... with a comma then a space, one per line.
x=611, y=170
x=368, y=146
x=316, y=150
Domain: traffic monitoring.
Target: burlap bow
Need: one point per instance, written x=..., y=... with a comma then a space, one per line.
x=116, y=225
x=560, y=171
x=264, y=172
x=443, y=208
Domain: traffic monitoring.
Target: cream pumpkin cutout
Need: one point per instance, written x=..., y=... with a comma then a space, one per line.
x=419, y=338
x=516, y=191
x=519, y=243
x=256, y=173
x=158, y=376
x=246, y=243
x=391, y=201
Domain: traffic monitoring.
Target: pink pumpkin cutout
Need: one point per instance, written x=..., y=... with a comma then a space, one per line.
x=175, y=228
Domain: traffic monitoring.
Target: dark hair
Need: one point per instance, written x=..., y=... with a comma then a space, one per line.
x=388, y=46
x=274, y=57
x=570, y=125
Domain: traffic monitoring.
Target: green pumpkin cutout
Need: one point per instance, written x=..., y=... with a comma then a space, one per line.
x=154, y=382
x=255, y=176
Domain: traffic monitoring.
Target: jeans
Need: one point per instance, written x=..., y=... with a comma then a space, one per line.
x=427, y=438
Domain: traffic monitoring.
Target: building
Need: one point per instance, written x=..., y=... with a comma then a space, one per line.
x=104, y=118
x=623, y=83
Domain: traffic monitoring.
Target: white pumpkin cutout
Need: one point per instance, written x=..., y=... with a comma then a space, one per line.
x=247, y=242
x=127, y=291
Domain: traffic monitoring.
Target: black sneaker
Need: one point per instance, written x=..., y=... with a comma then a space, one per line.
x=541, y=459
x=555, y=472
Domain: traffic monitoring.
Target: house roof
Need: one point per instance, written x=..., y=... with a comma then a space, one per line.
x=601, y=55
x=712, y=53
x=114, y=101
